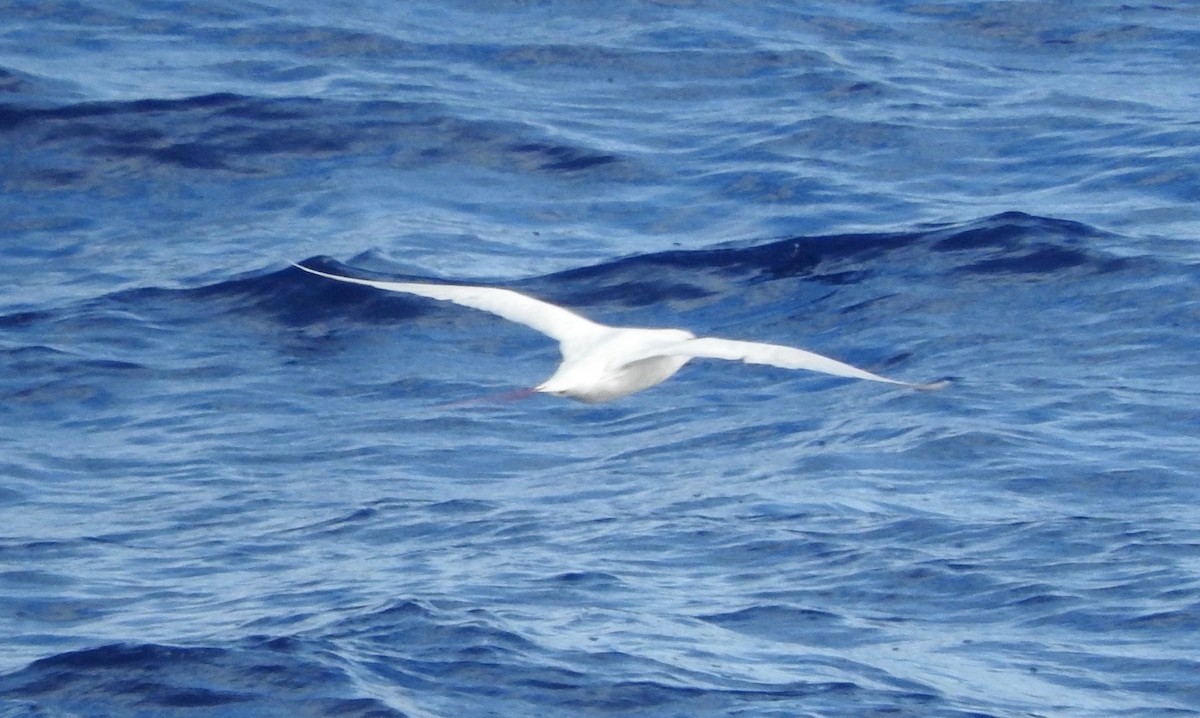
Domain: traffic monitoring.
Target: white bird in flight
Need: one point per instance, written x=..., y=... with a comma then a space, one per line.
x=602, y=362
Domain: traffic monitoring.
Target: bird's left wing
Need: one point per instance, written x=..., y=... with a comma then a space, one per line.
x=550, y=319
x=778, y=355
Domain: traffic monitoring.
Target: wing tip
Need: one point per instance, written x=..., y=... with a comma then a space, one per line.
x=300, y=266
x=320, y=273
x=936, y=385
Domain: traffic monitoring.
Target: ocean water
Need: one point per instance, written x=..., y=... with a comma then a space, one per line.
x=228, y=488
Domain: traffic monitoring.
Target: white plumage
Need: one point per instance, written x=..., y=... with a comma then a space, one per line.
x=602, y=362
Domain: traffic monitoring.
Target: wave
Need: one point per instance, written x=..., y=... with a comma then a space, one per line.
x=282, y=677
x=471, y=653
x=246, y=135
x=1004, y=247
x=445, y=654
x=1007, y=247
x=262, y=678
x=1012, y=243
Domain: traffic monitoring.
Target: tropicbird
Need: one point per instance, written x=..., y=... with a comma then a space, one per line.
x=602, y=362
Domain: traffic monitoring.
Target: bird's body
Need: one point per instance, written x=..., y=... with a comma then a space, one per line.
x=616, y=362
x=602, y=362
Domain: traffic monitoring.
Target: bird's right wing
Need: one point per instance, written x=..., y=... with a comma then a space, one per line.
x=549, y=319
x=781, y=356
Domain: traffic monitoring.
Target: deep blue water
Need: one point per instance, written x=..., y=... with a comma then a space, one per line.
x=228, y=488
